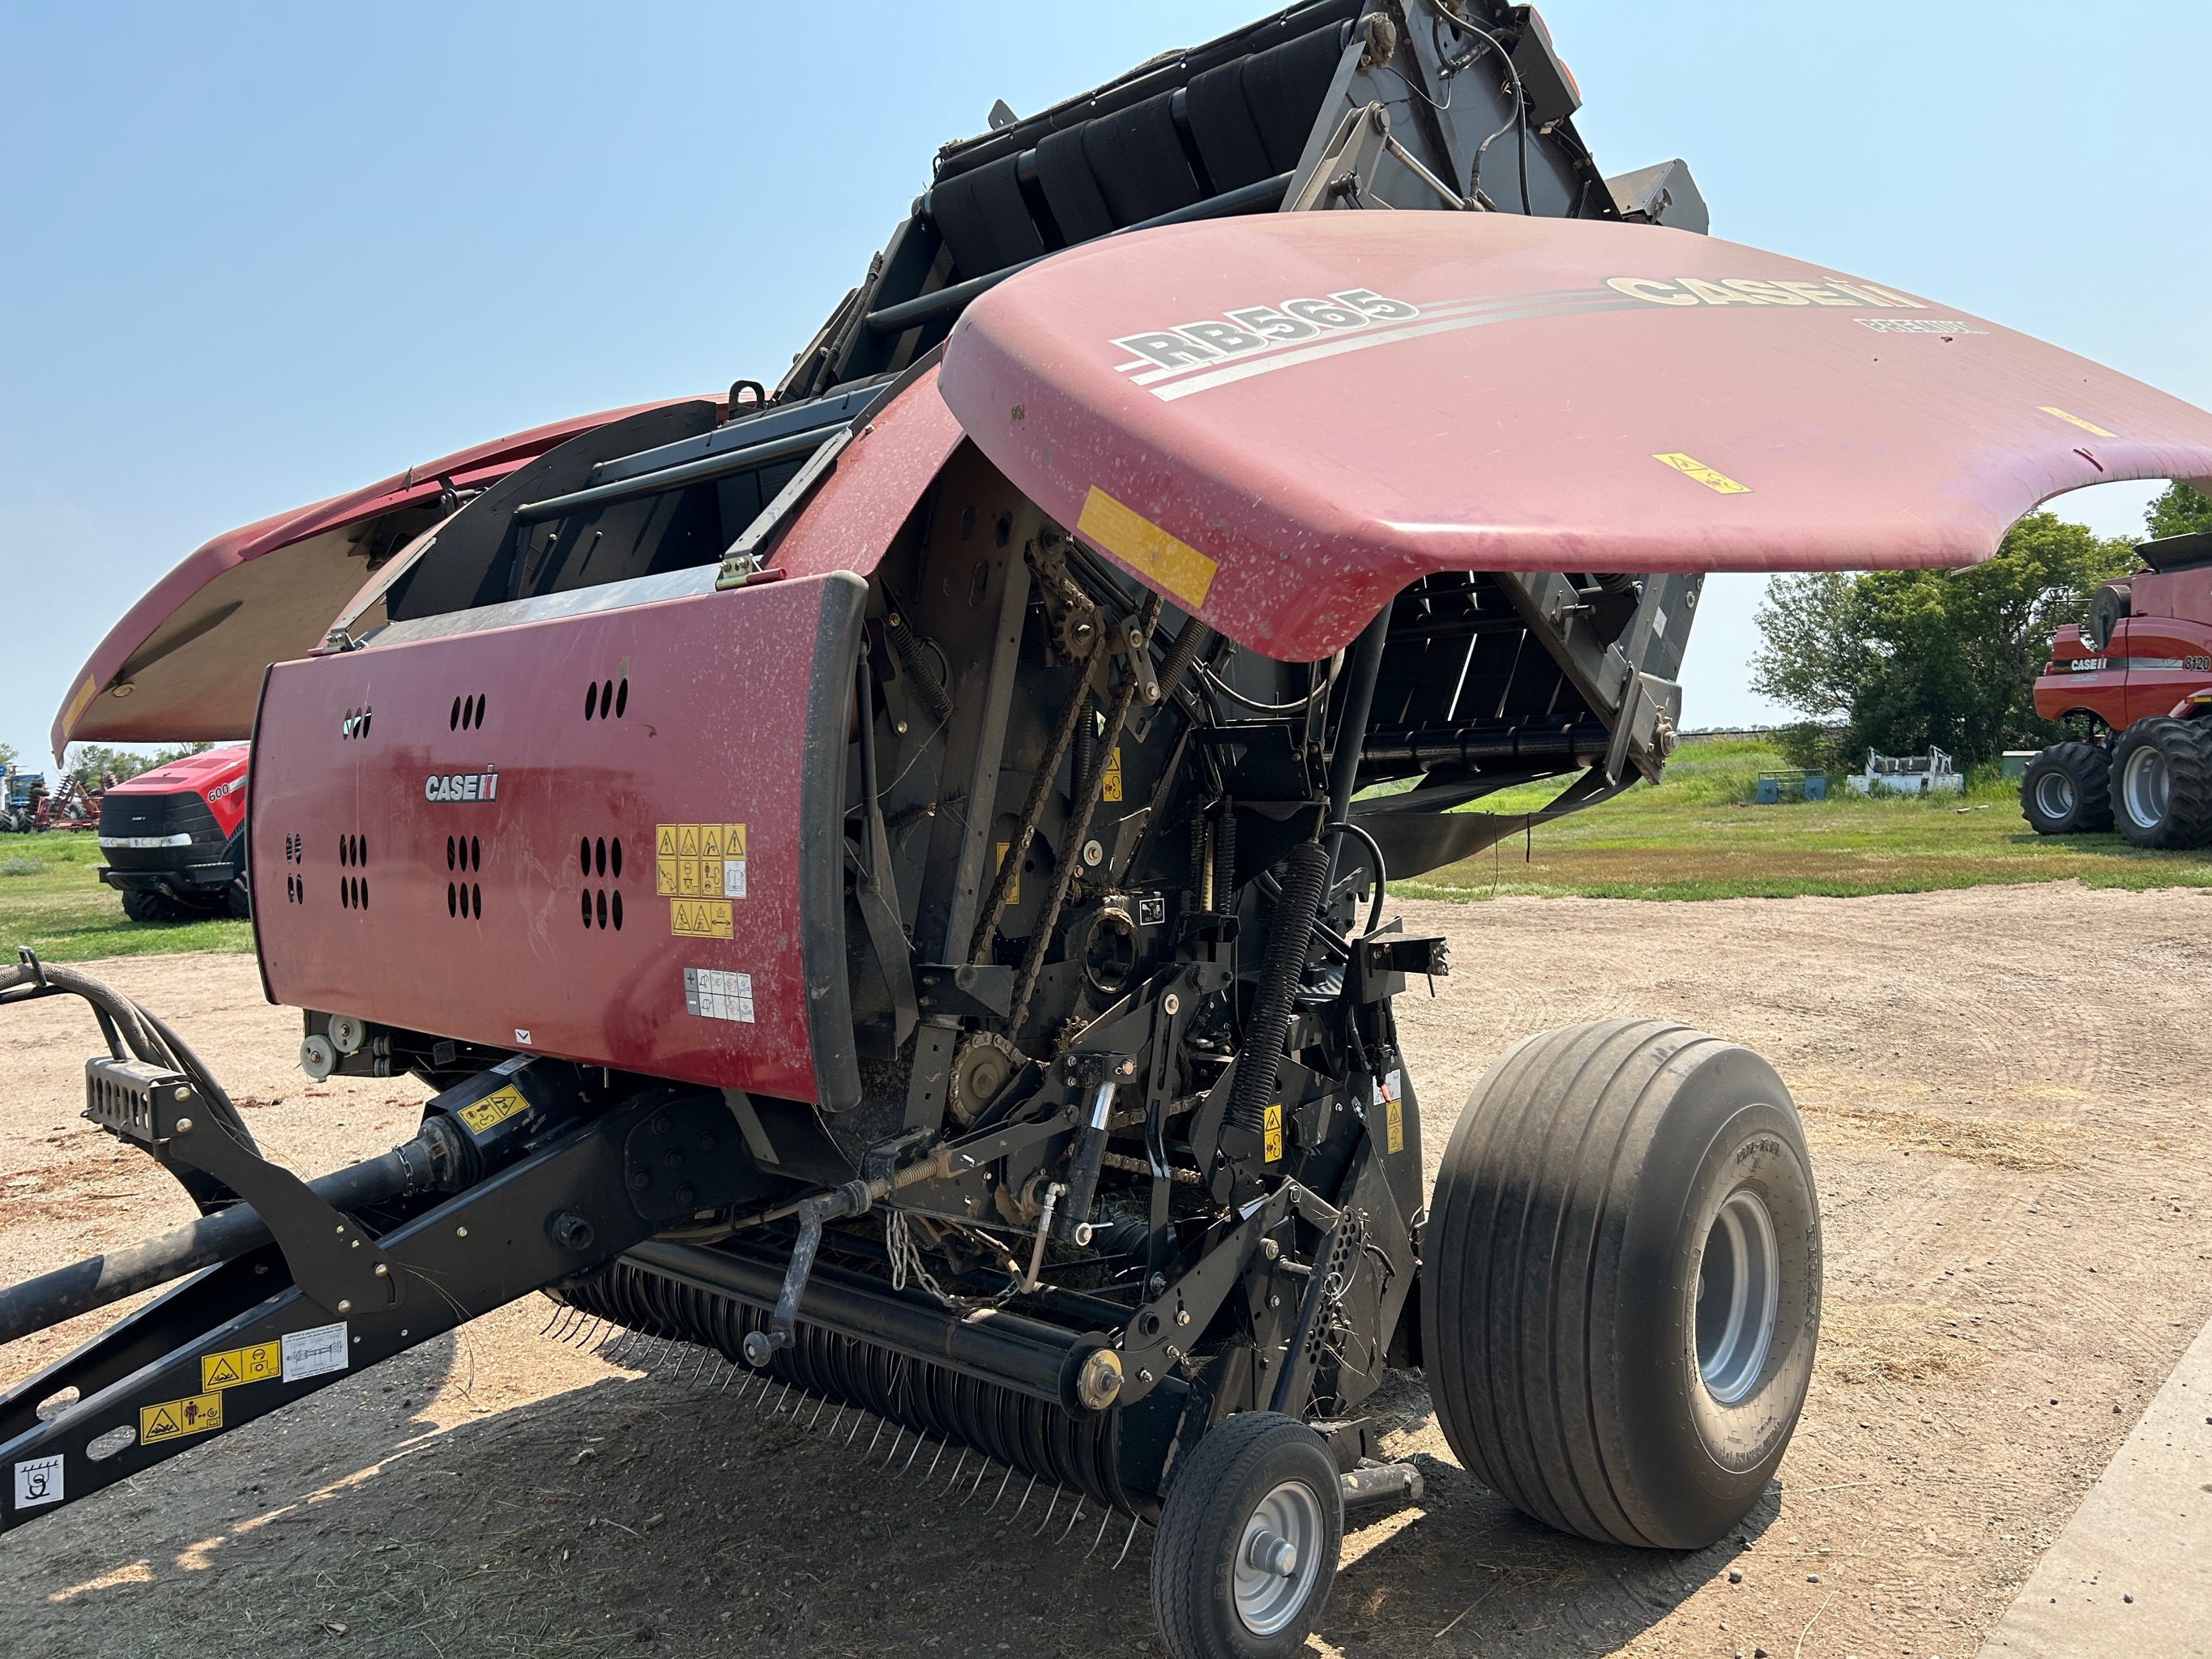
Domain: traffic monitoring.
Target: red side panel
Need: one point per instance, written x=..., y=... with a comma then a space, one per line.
x=720, y=775
x=1281, y=419
x=882, y=473
x=191, y=651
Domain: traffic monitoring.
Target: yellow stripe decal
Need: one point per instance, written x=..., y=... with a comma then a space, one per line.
x=1690, y=467
x=1185, y=572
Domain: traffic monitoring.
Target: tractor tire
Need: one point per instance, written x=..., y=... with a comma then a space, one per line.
x=1222, y=1587
x=2162, y=783
x=238, y=901
x=151, y=907
x=2067, y=790
x=1620, y=1282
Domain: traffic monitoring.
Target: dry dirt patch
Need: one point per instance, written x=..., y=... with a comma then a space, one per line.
x=2009, y=1141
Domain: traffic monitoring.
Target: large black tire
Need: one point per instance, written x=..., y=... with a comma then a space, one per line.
x=2067, y=790
x=238, y=901
x=2162, y=783
x=1611, y=1192
x=152, y=907
x=1254, y=1474
x=2107, y=611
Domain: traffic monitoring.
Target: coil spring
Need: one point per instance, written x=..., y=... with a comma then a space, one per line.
x=1033, y=1435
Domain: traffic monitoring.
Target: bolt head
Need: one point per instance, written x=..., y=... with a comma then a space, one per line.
x=1182, y=1316
x=345, y=1305
x=182, y=1093
x=383, y=1271
x=184, y=1126
x=1171, y=1003
x=460, y=1232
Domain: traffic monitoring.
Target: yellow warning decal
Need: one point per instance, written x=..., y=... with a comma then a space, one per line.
x=2075, y=420
x=1111, y=789
x=494, y=1109
x=699, y=860
x=1690, y=467
x=1394, y=1126
x=1271, y=1139
x=1013, y=887
x=699, y=918
x=1130, y=537
x=261, y=1363
x=174, y=1418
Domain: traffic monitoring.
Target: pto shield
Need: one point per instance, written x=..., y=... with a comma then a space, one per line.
x=1280, y=421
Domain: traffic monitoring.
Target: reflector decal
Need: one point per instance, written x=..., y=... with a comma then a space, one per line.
x=2075, y=420
x=1690, y=467
x=1130, y=537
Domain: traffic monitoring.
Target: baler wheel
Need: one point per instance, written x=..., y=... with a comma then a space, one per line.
x=1248, y=1537
x=2162, y=783
x=2067, y=790
x=1620, y=1281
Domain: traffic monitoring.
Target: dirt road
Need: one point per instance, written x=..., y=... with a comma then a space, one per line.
x=2004, y=1092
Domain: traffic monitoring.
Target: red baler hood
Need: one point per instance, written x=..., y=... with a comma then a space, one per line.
x=1491, y=392
x=192, y=650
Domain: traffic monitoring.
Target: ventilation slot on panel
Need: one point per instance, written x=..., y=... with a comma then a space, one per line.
x=356, y=722
x=600, y=858
x=607, y=699
x=468, y=713
x=295, y=880
x=464, y=858
x=352, y=857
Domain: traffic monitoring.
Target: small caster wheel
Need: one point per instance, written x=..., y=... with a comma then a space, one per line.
x=1248, y=1542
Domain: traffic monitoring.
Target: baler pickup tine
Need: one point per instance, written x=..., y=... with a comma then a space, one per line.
x=959, y=1463
x=911, y=1455
x=1019, y=1507
x=1125, y=1542
x=816, y=1418
x=1070, y=1528
x=984, y=1470
x=780, y=1398
x=893, y=1452
x=930, y=1474
x=839, y=1417
x=877, y=1436
x=1101, y=1536
x=1049, y=1508
x=855, y=1429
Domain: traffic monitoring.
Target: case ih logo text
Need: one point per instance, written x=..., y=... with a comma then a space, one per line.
x=1260, y=328
x=1745, y=291
x=461, y=786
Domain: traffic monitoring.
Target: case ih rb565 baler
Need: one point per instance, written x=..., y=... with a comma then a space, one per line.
x=881, y=876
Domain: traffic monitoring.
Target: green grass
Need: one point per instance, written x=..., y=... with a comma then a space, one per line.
x=51, y=900
x=1697, y=835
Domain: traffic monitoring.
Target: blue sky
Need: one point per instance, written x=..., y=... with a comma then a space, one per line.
x=253, y=255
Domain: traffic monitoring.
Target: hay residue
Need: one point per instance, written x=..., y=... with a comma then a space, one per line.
x=2000, y=1143
x=1864, y=1342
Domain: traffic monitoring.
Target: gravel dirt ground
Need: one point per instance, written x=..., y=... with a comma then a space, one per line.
x=2003, y=1090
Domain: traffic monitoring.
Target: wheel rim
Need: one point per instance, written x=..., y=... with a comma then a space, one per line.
x=1739, y=1283
x=2144, y=788
x=1287, y=1519
x=2054, y=795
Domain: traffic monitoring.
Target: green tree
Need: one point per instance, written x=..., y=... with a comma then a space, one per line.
x=7, y=756
x=1905, y=659
x=2178, y=512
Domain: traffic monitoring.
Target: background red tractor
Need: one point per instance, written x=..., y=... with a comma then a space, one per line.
x=2138, y=672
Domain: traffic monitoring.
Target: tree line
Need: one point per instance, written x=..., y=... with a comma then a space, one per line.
x=1902, y=660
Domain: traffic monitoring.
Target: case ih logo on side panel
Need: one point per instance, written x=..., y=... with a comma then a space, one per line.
x=461, y=786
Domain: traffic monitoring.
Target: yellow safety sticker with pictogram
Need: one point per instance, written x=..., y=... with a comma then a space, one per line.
x=1112, y=789
x=261, y=1363
x=698, y=862
x=700, y=918
x=1690, y=467
x=1271, y=1138
x=173, y=1420
x=494, y=1108
x=1393, y=1126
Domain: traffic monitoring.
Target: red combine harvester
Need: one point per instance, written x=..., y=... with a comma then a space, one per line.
x=2138, y=674
x=884, y=877
x=175, y=837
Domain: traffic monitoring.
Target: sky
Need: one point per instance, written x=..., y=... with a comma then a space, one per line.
x=251, y=256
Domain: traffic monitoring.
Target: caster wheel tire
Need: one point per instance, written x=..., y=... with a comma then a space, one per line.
x=2067, y=790
x=1248, y=1537
x=1620, y=1282
x=2162, y=784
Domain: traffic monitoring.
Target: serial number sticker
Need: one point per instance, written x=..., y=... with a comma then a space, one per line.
x=316, y=1352
x=38, y=1482
x=718, y=994
x=261, y=1363
x=2090, y=427
x=1271, y=1139
x=699, y=860
x=494, y=1109
x=699, y=918
x=1690, y=467
x=173, y=1420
